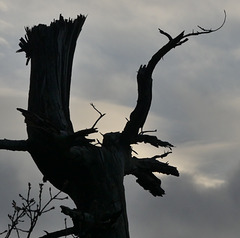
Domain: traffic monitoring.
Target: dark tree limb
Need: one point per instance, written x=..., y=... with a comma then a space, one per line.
x=153, y=165
x=152, y=140
x=14, y=145
x=144, y=81
x=149, y=182
x=61, y=233
x=139, y=114
x=144, y=168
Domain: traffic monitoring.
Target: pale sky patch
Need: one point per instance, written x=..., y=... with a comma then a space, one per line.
x=208, y=182
x=3, y=6
x=3, y=42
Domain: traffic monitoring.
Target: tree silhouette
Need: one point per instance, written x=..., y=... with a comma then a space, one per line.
x=90, y=173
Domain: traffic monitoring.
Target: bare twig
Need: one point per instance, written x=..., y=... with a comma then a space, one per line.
x=101, y=115
x=202, y=31
x=205, y=30
x=144, y=132
x=29, y=212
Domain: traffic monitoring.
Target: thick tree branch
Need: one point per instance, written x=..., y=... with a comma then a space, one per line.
x=14, y=145
x=173, y=42
x=144, y=81
x=139, y=114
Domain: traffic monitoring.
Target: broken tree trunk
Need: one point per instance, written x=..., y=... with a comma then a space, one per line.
x=92, y=175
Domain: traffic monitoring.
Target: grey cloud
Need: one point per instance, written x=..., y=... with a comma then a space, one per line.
x=187, y=210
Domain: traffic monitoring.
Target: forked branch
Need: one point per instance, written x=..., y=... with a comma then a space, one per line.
x=100, y=117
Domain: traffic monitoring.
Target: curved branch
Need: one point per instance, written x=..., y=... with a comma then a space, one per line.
x=139, y=114
x=205, y=30
x=144, y=81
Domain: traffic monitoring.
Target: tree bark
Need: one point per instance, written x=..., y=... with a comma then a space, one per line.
x=92, y=176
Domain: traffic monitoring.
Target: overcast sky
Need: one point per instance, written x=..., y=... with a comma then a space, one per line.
x=196, y=97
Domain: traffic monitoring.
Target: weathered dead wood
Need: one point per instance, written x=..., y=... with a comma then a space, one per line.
x=91, y=175
x=51, y=50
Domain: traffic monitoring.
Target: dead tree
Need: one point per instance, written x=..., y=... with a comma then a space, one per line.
x=92, y=175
